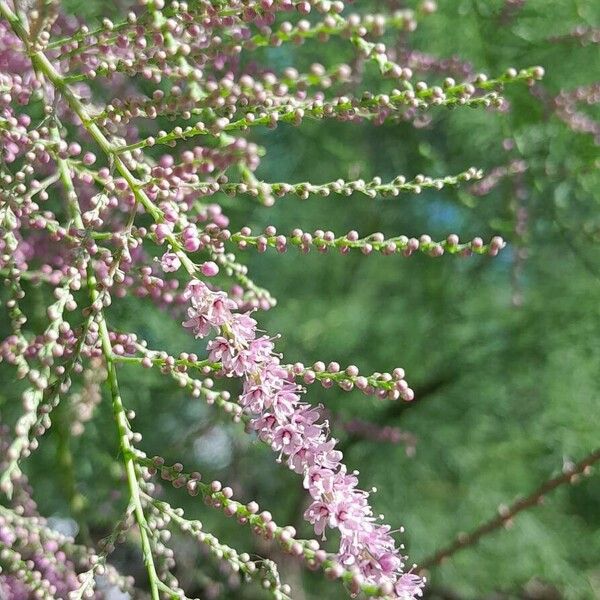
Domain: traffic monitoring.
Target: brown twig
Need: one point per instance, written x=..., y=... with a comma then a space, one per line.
x=506, y=513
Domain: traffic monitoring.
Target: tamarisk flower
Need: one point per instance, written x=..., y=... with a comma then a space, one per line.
x=170, y=262
x=39, y=562
x=293, y=429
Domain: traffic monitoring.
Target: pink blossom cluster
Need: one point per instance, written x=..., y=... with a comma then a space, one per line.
x=17, y=82
x=291, y=427
x=56, y=569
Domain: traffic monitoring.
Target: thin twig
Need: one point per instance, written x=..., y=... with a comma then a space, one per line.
x=507, y=513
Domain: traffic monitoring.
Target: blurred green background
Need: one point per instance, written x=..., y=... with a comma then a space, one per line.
x=503, y=353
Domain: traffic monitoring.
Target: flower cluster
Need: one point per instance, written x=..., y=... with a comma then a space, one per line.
x=293, y=429
x=323, y=241
x=38, y=561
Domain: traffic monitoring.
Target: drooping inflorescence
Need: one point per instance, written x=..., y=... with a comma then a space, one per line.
x=98, y=202
x=291, y=427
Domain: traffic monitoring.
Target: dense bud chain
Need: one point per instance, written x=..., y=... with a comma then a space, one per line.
x=140, y=214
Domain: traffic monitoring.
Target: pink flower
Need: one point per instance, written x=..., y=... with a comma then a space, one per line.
x=318, y=481
x=163, y=230
x=317, y=514
x=170, y=262
x=286, y=439
x=208, y=309
x=389, y=562
x=283, y=401
x=199, y=324
x=243, y=327
x=264, y=425
x=409, y=586
x=260, y=350
x=254, y=398
x=209, y=269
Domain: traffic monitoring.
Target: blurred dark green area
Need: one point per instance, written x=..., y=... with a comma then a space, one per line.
x=503, y=353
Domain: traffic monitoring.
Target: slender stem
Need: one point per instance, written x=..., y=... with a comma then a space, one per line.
x=506, y=514
x=160, y=361
x=377, y=381
x=117, y=403
x=125, y=444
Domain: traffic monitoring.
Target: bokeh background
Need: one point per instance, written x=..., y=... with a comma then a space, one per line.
x=503, y=353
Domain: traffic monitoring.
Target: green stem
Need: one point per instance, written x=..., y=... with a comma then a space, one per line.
x=125, y=444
